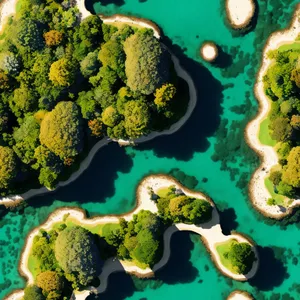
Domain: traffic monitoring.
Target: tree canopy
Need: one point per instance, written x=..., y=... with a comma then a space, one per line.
x=145, y=70
x=61, y=130
x=241, y=256
x=78, y=255
x=8, y=167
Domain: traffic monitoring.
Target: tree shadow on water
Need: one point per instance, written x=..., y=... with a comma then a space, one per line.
x=89, y=4
x=228, y=220
x=205, y=119
x=94, y=184
x=271, y=272
x=179, y=269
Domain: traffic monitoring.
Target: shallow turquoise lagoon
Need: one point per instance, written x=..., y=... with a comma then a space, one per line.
x=210, y=147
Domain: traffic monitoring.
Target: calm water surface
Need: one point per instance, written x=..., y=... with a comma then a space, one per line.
x=210, y=147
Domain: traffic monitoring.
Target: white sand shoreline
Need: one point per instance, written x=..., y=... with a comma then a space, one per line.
x=258, y=191
x=240, y=12
x=210, y=232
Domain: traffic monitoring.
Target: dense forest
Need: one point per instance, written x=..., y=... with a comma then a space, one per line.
x=66, y=82
x=282, y=85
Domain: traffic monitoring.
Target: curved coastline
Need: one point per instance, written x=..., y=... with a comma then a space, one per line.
x=257, y=190
x=240, y=295
x=13, y=200
x=211, y=234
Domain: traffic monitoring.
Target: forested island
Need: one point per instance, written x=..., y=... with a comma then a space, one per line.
x=69, y=252
x=281, y=129
x=66, y=83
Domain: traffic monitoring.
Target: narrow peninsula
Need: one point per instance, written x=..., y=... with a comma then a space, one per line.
x=137, y=242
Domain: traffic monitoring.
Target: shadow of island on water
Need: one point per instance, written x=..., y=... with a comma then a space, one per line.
x=271, y=272
x=179, y=269
x=94, y=184
x=193, y=135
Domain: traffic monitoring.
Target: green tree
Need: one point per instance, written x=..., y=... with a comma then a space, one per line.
x=285, y=189
x=189, y=210
x=78, y=255
x=242, y=257
x=61, y=130
x=8, y=167
x=164, y=95
x=275, y=177
x=110, y=116
x=113, y=55
x=278, y=79
x=90, y=64
x=88, y=106
x=146, y=250
x=146, y=69
x=281, y=129
x=27, y=139
x=137, y=118
x=62, y=72
x=286, y=107
x=32, y=292
x=29, y=34
x=24, y=100
x=50, y=281
x=291, y=174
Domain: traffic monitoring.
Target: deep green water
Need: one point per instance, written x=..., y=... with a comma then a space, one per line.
x=215, y=130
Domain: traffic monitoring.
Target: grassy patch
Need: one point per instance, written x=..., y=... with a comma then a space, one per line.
x=279, y=199
x=33, y=266
x=109, y=227
x=222, y=249
x=264, y=133
x=287, y=47
x=164, y=192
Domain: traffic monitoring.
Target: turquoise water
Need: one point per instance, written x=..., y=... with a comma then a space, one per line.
x=210, y=146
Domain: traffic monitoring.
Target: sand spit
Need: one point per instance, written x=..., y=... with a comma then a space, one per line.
x=210, y=232
x=240, y=12
x=257, y=189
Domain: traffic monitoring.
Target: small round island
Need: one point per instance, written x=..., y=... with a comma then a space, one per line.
x=240, y=13
x=209, y=51
x=240, y=295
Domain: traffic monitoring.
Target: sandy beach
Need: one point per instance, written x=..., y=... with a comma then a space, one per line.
x=8, y=8
x=258, y=191
x=240, y=295
x=240, y=12
x=210, y=232
x=209, y=51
